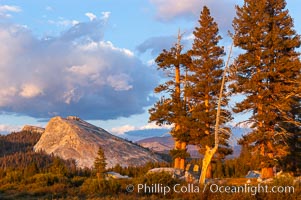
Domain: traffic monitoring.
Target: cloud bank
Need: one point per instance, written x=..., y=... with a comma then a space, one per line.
x=222, y=11
x=76, y=73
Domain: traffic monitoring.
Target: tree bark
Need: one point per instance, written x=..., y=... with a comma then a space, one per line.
x=206, y=161
x=182, y=160
x=209, y=171
x=207, y=111
x=267, y=172
x=177, y=160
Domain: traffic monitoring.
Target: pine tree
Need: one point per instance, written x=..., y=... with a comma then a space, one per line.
x=100, y=163
x=203, y=88
x=172, y=109
x=266, y=73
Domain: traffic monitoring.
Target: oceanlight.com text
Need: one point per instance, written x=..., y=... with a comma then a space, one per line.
x=247, y=188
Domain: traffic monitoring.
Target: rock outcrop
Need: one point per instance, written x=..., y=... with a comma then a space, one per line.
x=33, y=129
x=73, y=138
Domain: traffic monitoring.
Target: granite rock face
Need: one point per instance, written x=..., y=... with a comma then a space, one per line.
x=73, y=138
x=33, y=129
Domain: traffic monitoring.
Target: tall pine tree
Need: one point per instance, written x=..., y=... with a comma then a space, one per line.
x=203, y=88
x=266, y=73
x=172, y=108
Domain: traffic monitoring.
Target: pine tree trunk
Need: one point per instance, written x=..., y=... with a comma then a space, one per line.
x=206, y=161
x=182, y=160
x=207, y=111
x=209, y=171
x=177, y=160
x=267, y=172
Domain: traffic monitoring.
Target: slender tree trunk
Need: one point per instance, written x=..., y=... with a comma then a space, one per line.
x=179, y=162
x=206, y=161
x=182, y=161
x=207, y=131
x=178, y=144
x=210, y=152
x=177, y=126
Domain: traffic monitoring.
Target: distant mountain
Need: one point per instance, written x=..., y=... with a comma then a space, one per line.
x=137, y=135
x=73, y=138
x=238, y=132
x=159, y=144
x=166, y=143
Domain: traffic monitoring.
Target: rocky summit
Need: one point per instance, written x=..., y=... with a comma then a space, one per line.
x=33, y=129
x=73, y=138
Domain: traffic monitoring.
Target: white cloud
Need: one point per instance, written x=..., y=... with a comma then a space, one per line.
x=126, y=128
x=4, y=128
x=122, y=129
x=119, y=82
x=5, y=9
x=105, y=15
x=64, y=22
x=84, y=70
x=222, y=11
x=76, y=73
x=71, y=96
x=154, y=126
x=30, y=90
x=91, y=16
x=189, y=37
x=169, y=9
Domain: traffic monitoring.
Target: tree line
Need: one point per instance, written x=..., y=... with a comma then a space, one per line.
x=25, y=174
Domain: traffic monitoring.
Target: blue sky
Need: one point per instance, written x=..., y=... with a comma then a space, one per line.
x=93, y=58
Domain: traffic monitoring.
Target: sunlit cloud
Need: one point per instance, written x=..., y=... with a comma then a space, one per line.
x=122, y=129
x=91, y=16
x=75, y=73
x=29, y=90
x=222, y=11
x=128, y=128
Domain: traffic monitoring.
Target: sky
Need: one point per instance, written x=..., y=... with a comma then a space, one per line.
x=94, y=58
